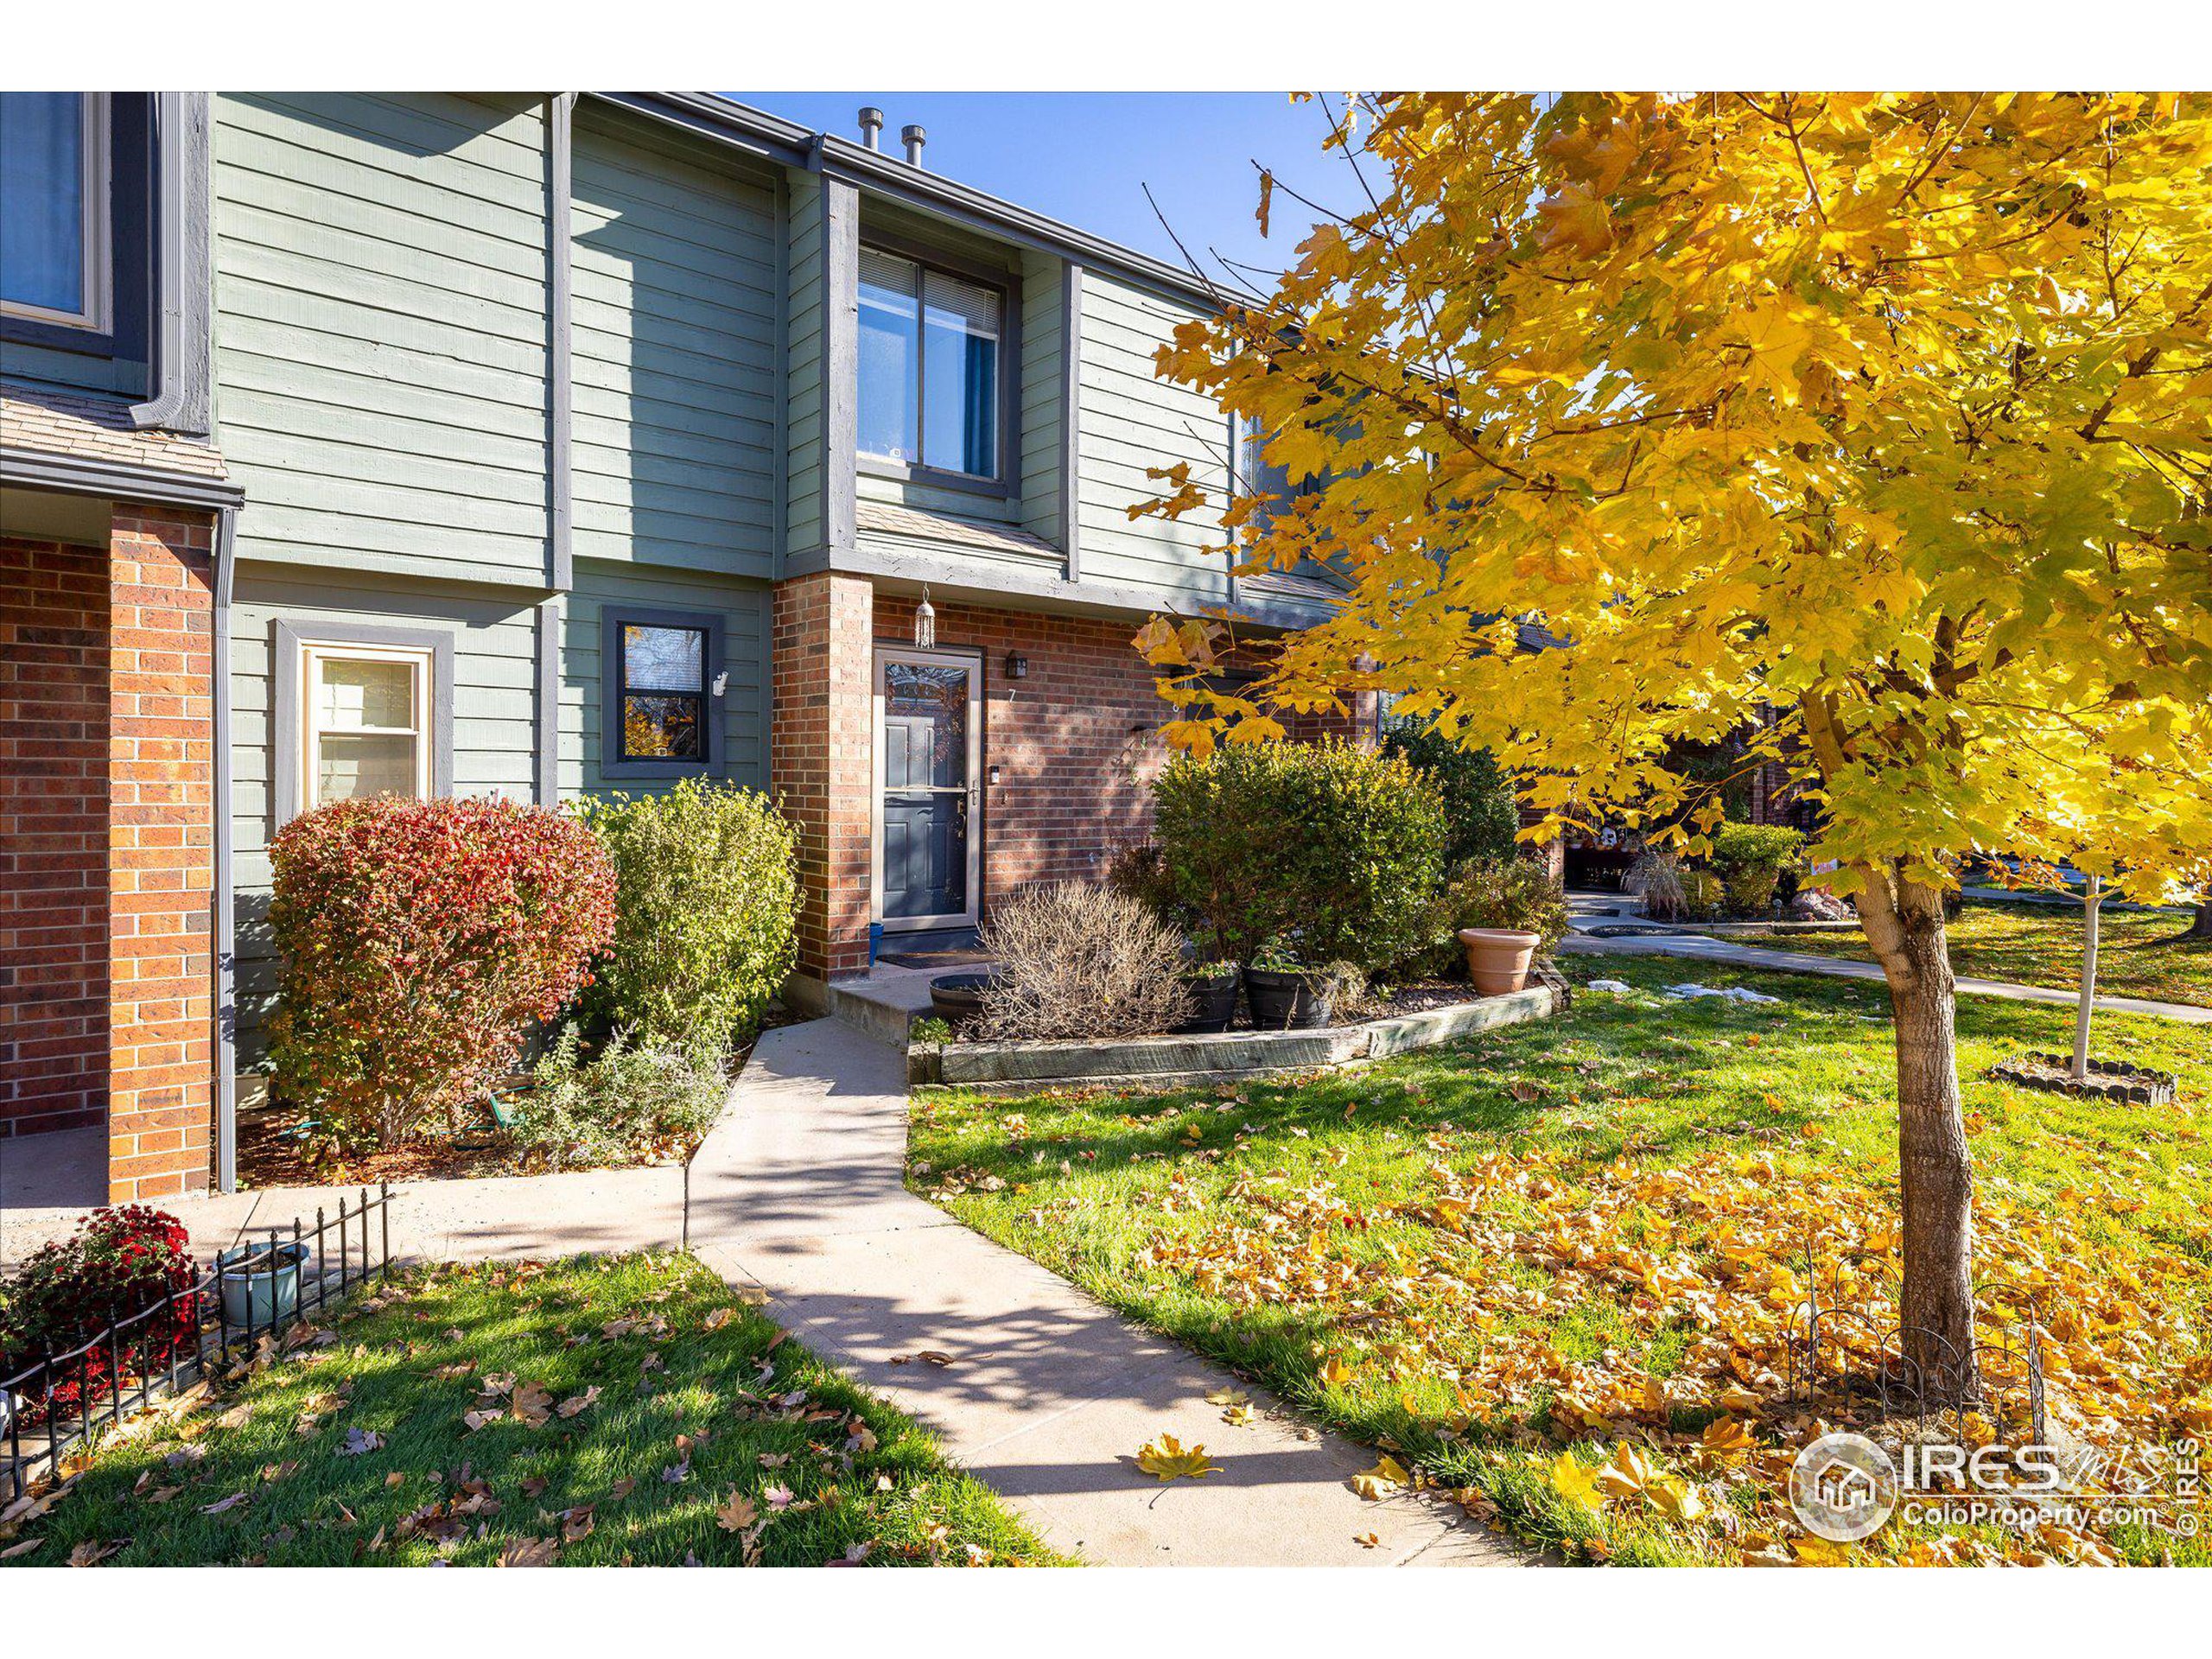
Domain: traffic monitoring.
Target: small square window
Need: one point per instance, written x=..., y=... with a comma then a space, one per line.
x=664, y=693
x=54, y=208
x=365, y=731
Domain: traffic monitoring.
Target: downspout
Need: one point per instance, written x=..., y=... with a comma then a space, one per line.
x=225, y=1034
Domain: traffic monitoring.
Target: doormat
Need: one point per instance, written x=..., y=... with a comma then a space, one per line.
x=934, y=959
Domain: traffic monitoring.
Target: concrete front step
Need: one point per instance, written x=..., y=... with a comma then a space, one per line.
x=885, y=1001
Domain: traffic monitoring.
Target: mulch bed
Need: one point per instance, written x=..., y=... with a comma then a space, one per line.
x=271, y=1151
x=1423, y=997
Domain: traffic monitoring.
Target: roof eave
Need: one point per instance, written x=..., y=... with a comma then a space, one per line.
x=758, y=133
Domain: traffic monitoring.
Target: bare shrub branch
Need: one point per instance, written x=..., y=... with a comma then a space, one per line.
x=1080, y=961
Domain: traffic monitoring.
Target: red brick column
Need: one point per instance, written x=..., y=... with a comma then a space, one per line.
x=53, y=671
x=161, y=854
x=819, y=760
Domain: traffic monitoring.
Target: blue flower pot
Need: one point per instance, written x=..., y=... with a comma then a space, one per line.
x=261, y=1286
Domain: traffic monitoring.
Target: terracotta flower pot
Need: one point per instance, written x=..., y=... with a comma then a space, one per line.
x=1498, y=959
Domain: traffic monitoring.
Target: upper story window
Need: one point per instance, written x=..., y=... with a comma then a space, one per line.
x=1257, y=475
x=53, y=208
x=929, y=366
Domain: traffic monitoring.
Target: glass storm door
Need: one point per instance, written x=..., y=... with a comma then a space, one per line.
x=928, y=739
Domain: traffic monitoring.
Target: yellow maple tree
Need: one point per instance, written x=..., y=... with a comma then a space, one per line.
x=1876, y=427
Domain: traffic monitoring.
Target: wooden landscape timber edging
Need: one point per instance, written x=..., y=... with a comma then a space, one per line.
x=1171, y=1061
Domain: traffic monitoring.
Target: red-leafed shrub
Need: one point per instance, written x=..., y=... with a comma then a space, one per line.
x=418, y=936
x=117, y=1263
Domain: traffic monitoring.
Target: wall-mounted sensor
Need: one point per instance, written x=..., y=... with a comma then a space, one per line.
x=994, y=774
x=722, y=682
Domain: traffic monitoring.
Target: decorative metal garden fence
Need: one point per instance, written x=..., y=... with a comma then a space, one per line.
x=1842, y=1360
x=255, y=1290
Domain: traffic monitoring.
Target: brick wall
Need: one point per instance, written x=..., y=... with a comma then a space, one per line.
x=54, y=888
x=161, y=854
x=1076, y=741
x=818, y=760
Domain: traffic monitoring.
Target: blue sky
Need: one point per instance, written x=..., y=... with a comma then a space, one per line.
x=1086, y=157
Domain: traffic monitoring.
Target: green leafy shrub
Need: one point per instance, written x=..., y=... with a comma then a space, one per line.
x=1480, y=817
x=1703, y=897
x=634, y=1099
x=706, y=893
x=929, y=1032
x=1325, y=849
x=1140, y=870
x=418, y=937
x=1749, y=860
x=1518, y=894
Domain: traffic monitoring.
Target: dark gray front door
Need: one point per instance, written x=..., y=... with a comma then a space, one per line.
x=927, y=740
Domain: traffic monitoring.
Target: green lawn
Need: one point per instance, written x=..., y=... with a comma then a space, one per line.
x=1592, y=1233
x=629, y=1411
x=2041, y=945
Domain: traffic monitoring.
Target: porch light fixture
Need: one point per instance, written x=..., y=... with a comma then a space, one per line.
x=925, y=622
x=1017, y=666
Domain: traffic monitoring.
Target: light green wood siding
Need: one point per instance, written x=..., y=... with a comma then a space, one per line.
x=493, y=699
x=745, y=609
x=803, y=356
x=381, y=300
x=675, y=273
x=1131, y=420
x=1043, y=280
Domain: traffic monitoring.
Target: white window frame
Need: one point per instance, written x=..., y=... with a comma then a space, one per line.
x=315, y=652
x=96, y=297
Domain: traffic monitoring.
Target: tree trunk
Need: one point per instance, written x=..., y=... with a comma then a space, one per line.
x=1905, y=927
x=2091, y=903
x=2201, y=927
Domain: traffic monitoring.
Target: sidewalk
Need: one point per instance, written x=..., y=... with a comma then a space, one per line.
x=800, y=1191
x=433, y=1221
x=1706, y=948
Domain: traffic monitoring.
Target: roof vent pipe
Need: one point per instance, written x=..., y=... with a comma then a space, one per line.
x=871, y=126
x=915, y=138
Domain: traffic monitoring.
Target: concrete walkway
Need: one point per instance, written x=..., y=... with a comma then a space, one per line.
x=1704, y=948
x=504, y=1216
x=800, y=1191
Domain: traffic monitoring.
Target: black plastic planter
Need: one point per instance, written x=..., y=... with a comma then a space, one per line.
x=1288, y=1002
x=1213, y=1001
x=958, y=998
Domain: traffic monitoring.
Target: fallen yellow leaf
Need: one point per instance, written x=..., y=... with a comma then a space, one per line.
x=1572, y=1480
x=1387, y=1473
x=1169, y=1459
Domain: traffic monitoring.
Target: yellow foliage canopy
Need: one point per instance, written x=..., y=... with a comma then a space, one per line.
x=1880, y=425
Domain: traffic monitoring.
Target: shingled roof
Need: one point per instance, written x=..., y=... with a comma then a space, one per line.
x=83, y=426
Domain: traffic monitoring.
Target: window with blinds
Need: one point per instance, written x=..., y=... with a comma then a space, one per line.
x=929, y=366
